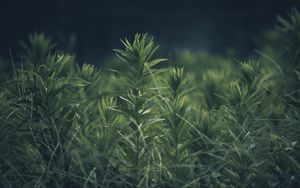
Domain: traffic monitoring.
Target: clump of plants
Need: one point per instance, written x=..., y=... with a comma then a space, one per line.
x=143, y=124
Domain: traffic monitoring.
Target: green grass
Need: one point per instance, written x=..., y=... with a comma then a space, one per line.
x=216, y=122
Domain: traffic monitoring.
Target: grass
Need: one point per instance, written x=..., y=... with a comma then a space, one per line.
x=227, y=124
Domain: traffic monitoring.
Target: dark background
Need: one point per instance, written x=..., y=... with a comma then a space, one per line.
x=97, y=26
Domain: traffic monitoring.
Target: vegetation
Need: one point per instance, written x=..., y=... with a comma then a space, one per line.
x=217, y=122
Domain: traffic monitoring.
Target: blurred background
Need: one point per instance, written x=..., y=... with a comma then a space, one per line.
x=91, y=28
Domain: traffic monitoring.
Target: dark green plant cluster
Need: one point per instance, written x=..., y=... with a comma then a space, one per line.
x=225, y=124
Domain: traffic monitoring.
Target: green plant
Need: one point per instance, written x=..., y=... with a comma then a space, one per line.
x=219, y=123
x=138, y=146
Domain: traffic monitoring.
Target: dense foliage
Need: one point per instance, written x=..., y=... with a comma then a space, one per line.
x=217, y=122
